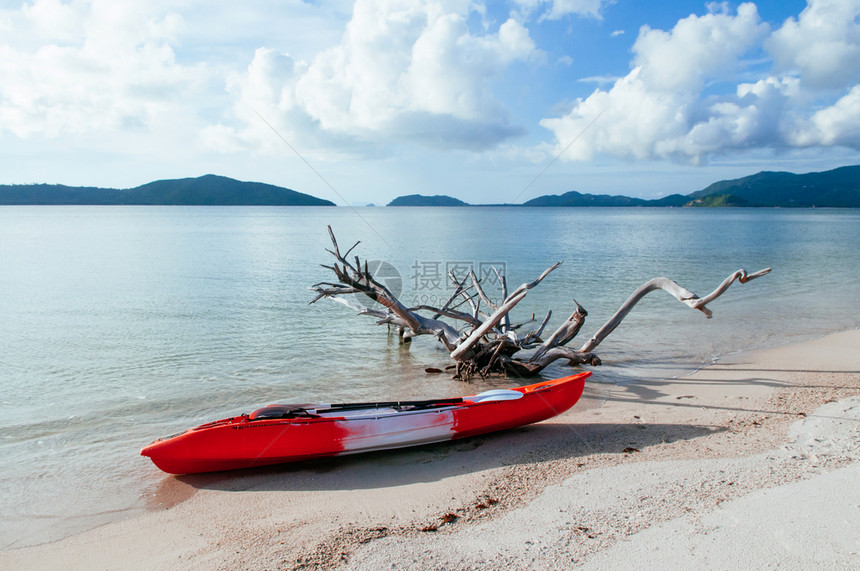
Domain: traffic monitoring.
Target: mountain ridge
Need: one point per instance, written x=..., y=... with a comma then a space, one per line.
x=424, y=200
x=839, y=188
x=836, y=188
x=206, y=190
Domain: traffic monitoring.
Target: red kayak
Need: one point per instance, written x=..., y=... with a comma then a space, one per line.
x=287, y=433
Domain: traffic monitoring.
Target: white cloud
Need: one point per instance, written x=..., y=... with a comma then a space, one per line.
x=697, y=48
x=267, y=88
x=838, y=124
x=599, y=79
x=86, y=66
x=650, y=111
x=403, y=71
x=822, y=45
x=53, y=20
x=667, y=107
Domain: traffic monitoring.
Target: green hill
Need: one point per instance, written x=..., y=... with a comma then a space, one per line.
x=421, y=200
x=208, y=190
x=574, y=198
x=835, y=188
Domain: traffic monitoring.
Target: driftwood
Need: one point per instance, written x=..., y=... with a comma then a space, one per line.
x=489, y=342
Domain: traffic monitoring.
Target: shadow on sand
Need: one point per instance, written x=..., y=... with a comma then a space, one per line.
x=434, y=462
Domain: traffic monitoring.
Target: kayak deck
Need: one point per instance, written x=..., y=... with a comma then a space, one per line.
x=287, y=433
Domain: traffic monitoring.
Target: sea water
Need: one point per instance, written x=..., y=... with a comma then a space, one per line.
x=119, y=325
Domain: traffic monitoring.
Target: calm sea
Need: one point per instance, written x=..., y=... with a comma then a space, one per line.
x=122, y=324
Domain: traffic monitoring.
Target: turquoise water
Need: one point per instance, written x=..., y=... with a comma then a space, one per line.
x=122, y=324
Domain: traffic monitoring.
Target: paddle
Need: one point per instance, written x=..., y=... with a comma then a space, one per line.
x=486, y=396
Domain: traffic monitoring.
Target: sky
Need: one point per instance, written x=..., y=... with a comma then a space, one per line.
x=490, y=102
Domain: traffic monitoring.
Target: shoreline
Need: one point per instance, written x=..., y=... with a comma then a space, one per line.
x=422, y=506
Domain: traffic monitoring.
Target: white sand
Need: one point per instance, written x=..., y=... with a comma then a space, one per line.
x=752, y=462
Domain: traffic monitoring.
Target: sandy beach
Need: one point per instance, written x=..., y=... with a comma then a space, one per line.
x=750, y=462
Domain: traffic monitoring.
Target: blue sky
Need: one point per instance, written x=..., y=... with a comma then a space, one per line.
x=385, y=98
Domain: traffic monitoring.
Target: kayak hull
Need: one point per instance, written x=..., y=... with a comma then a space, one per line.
x=245, y=441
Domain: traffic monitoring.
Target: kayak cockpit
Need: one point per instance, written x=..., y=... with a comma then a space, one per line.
x=348, y=410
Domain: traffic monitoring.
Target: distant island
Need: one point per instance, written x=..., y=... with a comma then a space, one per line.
x=574, y=198
x=837, y=188
x=207, y=190
x=420, y=200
